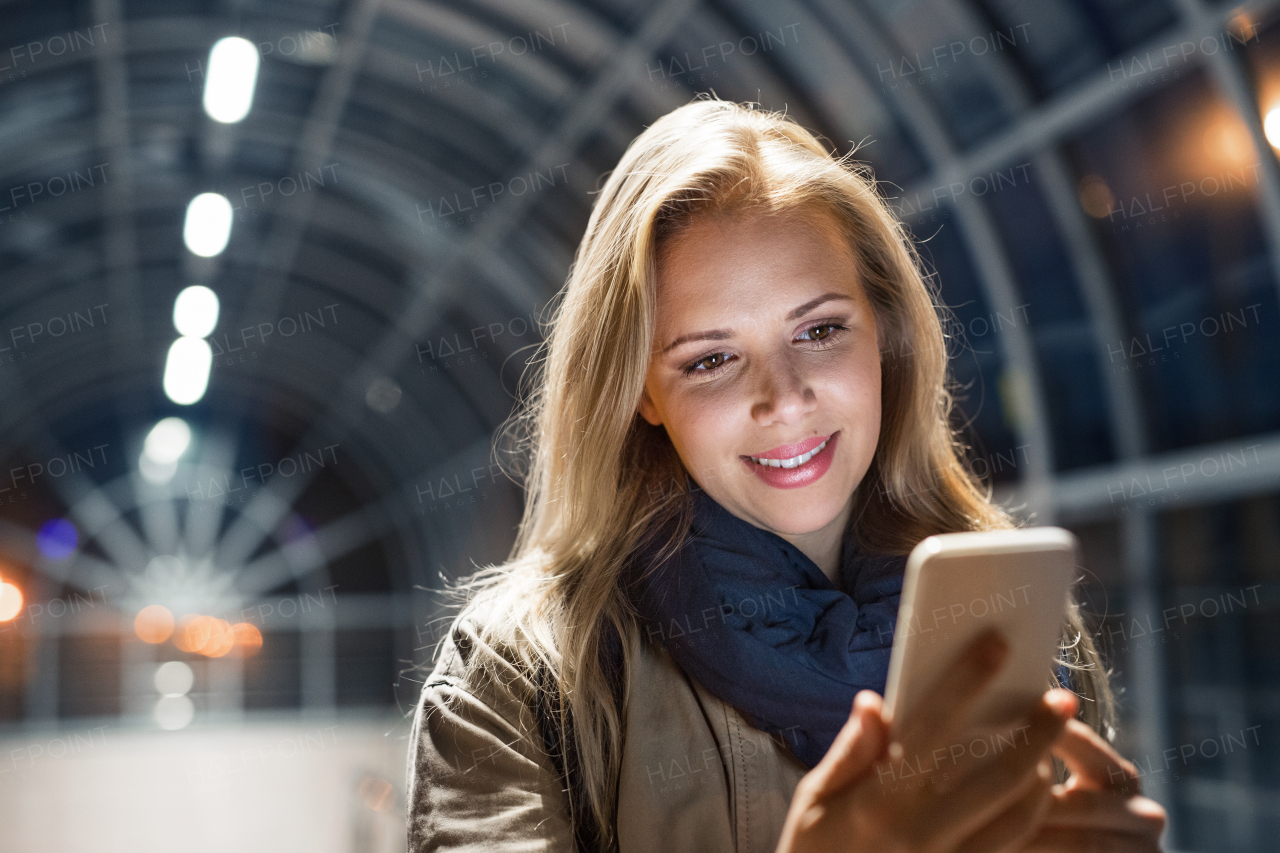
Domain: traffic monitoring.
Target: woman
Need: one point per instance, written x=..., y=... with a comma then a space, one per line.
x=741, y=426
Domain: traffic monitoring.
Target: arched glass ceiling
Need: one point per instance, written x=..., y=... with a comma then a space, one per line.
x=1090, y=181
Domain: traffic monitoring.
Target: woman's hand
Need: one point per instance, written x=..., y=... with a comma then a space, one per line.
x=1099, y=807
x=859, y=797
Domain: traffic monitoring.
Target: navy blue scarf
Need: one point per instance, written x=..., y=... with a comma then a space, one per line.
x=753, y=620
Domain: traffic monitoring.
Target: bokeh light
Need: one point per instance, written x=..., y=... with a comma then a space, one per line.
x=1271, y=126
x=174, y=678
x=174, y=712
x=214, y=637
x=221, y=639
x=11, y=601
x=1095, y=196
x=195, y=311
x=57, y=539
x=167, y=440
x=207, y=227
x=193, y=632
x=231, y=78
x=377, y=794
x=153, y=624
x=1227, y=141
x=186, y=370
x=248, y=639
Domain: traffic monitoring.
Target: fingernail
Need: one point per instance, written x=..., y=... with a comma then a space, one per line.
x=1063, y=703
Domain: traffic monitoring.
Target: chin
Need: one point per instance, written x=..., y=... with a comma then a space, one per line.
x=793, y=515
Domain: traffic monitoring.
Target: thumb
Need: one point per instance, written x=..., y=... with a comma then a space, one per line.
x=862, y=740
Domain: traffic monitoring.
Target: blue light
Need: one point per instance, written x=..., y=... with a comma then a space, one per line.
x=57, y=539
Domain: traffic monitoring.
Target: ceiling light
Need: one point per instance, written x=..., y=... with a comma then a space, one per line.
x=195, y=311
x=230, y=78
x=186, y=370
x=208, y=225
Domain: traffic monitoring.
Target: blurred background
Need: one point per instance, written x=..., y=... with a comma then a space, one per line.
x=270, y=273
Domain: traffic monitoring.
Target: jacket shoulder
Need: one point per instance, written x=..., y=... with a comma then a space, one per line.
x=473, y=659
x=479, y=776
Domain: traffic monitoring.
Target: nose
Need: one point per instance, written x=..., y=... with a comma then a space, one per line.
x=783, y=394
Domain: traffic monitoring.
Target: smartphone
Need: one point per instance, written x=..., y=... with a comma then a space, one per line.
x=959, y=584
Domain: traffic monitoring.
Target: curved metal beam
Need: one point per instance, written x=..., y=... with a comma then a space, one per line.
x=986, y=253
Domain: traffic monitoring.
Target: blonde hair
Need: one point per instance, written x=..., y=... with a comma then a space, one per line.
x=599, y=479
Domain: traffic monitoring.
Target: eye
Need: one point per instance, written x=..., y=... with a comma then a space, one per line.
x=700, y=366
x=823, y=333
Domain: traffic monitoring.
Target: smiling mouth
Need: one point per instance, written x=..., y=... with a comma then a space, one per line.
x=794, y=461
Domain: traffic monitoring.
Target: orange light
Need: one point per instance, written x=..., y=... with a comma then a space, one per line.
x=376, y=793
x=1095, y=196
x=248, y=638
x=1227, y=140
x=10, y=601
x=153, y=624
x=221, y=639
x=193, y=632
x=214, y=637
x=1271, y=126
x=1243, y=27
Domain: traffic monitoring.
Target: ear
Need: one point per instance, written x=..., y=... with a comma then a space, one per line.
x=647, y=410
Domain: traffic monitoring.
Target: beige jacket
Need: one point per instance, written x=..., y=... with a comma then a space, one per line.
x=695, y=776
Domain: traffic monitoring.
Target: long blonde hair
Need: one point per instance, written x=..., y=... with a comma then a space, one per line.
x=599, y=478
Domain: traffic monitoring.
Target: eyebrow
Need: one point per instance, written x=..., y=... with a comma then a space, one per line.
x=725, y=334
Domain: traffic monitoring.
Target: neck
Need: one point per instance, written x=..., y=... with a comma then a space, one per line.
x=825, y=545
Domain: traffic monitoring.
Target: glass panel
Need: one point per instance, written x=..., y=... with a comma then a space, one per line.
x=786, y=60
x=272, y=676
x=1173, y=185
x=1052, y=309
x=1219, y=607
x=977, y=362
x=365, y=667
x=952, y=59
x=88, y=675
x=1065, y=41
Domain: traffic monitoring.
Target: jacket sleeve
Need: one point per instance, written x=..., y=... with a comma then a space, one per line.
x=480, y=779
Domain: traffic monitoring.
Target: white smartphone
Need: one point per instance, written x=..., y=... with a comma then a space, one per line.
x=959, y=584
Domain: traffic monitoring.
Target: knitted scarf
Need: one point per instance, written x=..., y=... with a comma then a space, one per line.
x=753, y=620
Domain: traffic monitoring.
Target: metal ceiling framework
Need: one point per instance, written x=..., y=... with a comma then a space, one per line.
x=439, y=275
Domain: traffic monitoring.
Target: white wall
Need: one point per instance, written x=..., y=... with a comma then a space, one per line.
x=324, y=787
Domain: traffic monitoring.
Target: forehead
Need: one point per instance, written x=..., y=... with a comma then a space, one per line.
x=719, y=259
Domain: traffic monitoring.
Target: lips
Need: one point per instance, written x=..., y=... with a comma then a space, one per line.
x=808, y=467
x=792, y=451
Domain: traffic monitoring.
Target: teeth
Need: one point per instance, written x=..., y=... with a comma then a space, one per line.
x=794, y=461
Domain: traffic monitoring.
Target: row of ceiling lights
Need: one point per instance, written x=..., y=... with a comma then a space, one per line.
x=228, y=94
x=230, y=79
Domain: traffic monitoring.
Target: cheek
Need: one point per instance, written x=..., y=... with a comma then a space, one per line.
x=854, y=397
x=704, y=431
x=855, y=382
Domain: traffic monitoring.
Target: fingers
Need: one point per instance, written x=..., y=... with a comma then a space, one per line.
x=1094, y=763
x=860, y=742
x=1020, y=822
x=933, y=723
x=993, y=784
x=1081, y=808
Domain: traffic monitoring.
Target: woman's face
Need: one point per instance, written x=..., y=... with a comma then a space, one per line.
x=766, y=347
